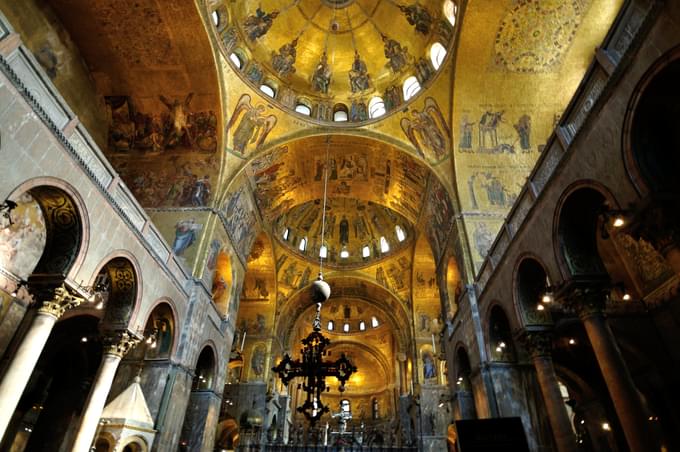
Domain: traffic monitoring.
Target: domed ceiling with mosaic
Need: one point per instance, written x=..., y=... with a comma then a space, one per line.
x=318, y=58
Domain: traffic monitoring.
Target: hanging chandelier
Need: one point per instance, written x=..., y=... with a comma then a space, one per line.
x=314, y=370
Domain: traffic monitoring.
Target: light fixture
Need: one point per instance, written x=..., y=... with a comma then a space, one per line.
x=83, y=339
x=572, y=341
x=547, y=297
x=626, y=297
x=21, y=283
x=540, y=307
x=606, y=427
x=618, y=221
x=615, y=218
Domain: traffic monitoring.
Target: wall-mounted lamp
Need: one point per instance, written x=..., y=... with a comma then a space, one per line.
x=614, y=218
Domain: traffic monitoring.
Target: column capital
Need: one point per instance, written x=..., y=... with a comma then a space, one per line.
x=120, y=343
x=585, y=296
x=537, y=342
x=62, y=300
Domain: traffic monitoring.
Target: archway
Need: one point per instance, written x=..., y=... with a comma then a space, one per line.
x=50, y=408
x=501, y=344
x=464, y=401
x=200, y=419
x=531, y=293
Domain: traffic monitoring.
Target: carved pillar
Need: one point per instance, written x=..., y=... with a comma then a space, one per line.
x=115, y=348
x=539, y=346
x=588, y=300
x=26, y=357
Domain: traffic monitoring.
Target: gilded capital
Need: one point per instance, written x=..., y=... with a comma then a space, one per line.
x=120, y=343
x=62, y=300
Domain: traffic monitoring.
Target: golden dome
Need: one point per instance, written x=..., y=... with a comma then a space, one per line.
x=335, y=55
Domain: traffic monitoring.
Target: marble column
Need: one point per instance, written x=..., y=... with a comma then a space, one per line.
x=26, y=357
x=589, y=303
x=539, y=345
x=115, y=348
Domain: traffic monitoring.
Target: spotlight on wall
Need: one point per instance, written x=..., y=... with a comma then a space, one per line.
x=613, y=218
x=6, y=209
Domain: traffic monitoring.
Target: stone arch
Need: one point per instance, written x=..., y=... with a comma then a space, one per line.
x=578, y=217
x=118, y=289
x=650, y=133
x=530, y=284
x=499, y=335
x=66, y=224
x=205, y=369
x=464, y=407
x=162, y=323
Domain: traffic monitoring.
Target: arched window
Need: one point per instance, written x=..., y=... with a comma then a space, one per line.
x=236, y=60
x=376, y=107
x=286, y=233
x=323, y=252
x=340, y=113
x=401, y=235
x=303, y=244
x=216, y=18
x=450, y=11
x=365, y=251
x=437, y=55
x=374, y=322
x=331, y=325
x=384, y=245
x=345, y=327
x=303, y=109
x=344, y=253
x=362, y=326
x=346, y=406
x=411, y=87
x=268, y=90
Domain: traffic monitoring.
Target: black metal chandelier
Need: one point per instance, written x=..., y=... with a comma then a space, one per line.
x=314, y=370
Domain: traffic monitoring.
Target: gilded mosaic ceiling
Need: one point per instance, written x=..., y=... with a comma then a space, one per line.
x=357, y=233
x=321, y=54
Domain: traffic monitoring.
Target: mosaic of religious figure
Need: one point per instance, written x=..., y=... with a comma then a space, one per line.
x=488, y=135
x=428, y=132
x=250, y=126
x=392, y=98
x=240, y=222
x=358, y=75
x=284, y=61
x=178, y=115
x=254, y=72
x=185, y=235
x=418, y=16
x=424, y=70
x=321, y=79
x=358, y=111
x=523, y=128
x=257, y=361
x=429, y=367
x=398, y=56
x=131, y=129
x=465, y=144
x=229, y=38
x=483, y=239
x=496, y=193
x=258, y=25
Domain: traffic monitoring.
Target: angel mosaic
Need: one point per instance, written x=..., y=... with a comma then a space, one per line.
x=428, y=132
x=398, y=56
x=284, y=61
x=250, y=126
x=321, y=79
x=419, y=17
x=358, y=75
x=258, y=25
